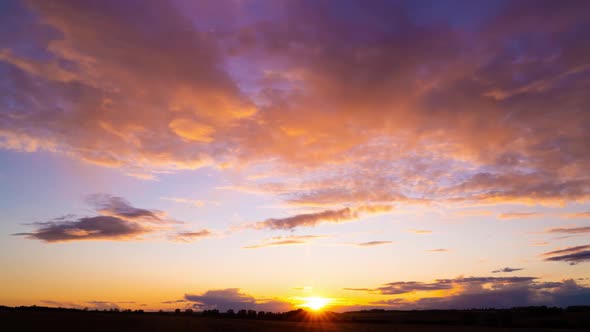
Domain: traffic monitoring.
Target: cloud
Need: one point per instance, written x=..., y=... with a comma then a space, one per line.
x=175, y=301
x=571, y=230
x=507, y=270
x=438, y=250
x=578, y=215
x=231, y=298
x=118, y=207
x=481, y=292
x=117, y=220
x=519, y=215
x=373, y=243
x=286, y=241
x=404, y=287
x=454, y=118
x=420, y=231
x=61, y=304
x=87, y=228
x=571, y=255
x=191, y=236
x=327, y=216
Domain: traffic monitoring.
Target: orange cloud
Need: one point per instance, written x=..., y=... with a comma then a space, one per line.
x=447, y=122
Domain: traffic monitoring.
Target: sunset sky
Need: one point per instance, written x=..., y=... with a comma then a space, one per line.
x=252, y=154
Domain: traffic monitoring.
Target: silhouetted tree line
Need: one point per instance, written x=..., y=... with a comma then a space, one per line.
x=293, y=315
x=534, y=316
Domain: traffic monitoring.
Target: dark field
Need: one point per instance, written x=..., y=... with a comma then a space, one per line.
x=54, y=320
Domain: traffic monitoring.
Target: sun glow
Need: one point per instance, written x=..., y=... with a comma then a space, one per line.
x=315, y=303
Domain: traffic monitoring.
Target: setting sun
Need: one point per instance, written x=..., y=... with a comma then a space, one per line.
x=315, y=303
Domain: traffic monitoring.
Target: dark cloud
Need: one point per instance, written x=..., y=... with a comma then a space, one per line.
x=483, y=292
x=174, y=301
x=118, y=220
x=61, y=304
x=507, y=270
x=231, y=298
x=120, y=208
x=403, y=287
x=373, y=243
x=572, y=255
x=86, y=228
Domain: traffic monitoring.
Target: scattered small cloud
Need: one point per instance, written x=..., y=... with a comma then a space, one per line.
x=507, y=270
x=193, y=202
x=420, y=231
x=577, y=215
x=473, y=213
x=571, y=255
x=174, y=301
x=286, y=241
x=373, y=243
x=519, y=215
x=438, y=250
x=327, y=216
x=570, y=230
x=191, y=236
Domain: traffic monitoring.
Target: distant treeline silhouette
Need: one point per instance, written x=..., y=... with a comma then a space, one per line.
x=534, y=316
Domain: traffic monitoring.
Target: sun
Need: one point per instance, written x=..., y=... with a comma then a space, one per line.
x=315, y=303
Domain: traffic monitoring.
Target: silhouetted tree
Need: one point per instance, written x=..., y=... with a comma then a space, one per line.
x=242, y=313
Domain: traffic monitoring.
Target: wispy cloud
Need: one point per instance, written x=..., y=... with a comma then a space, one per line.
x=420, y=231
x=286, y=241
x=327, y=216
x=194, y=202
x=571, y=255
x=577, y=215
x=507, y=270
x=519, y=215
x=373, y=243
x=569, y=230
x=439, y=250
x=188, y=236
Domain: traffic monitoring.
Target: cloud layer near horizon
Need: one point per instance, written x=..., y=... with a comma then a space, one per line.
x=493, y=111
x=232, y=298
x=481, y=292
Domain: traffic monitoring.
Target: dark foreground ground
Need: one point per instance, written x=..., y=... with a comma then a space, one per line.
x=54, y=320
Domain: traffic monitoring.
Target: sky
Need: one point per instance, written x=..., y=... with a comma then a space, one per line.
x=252, y=154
